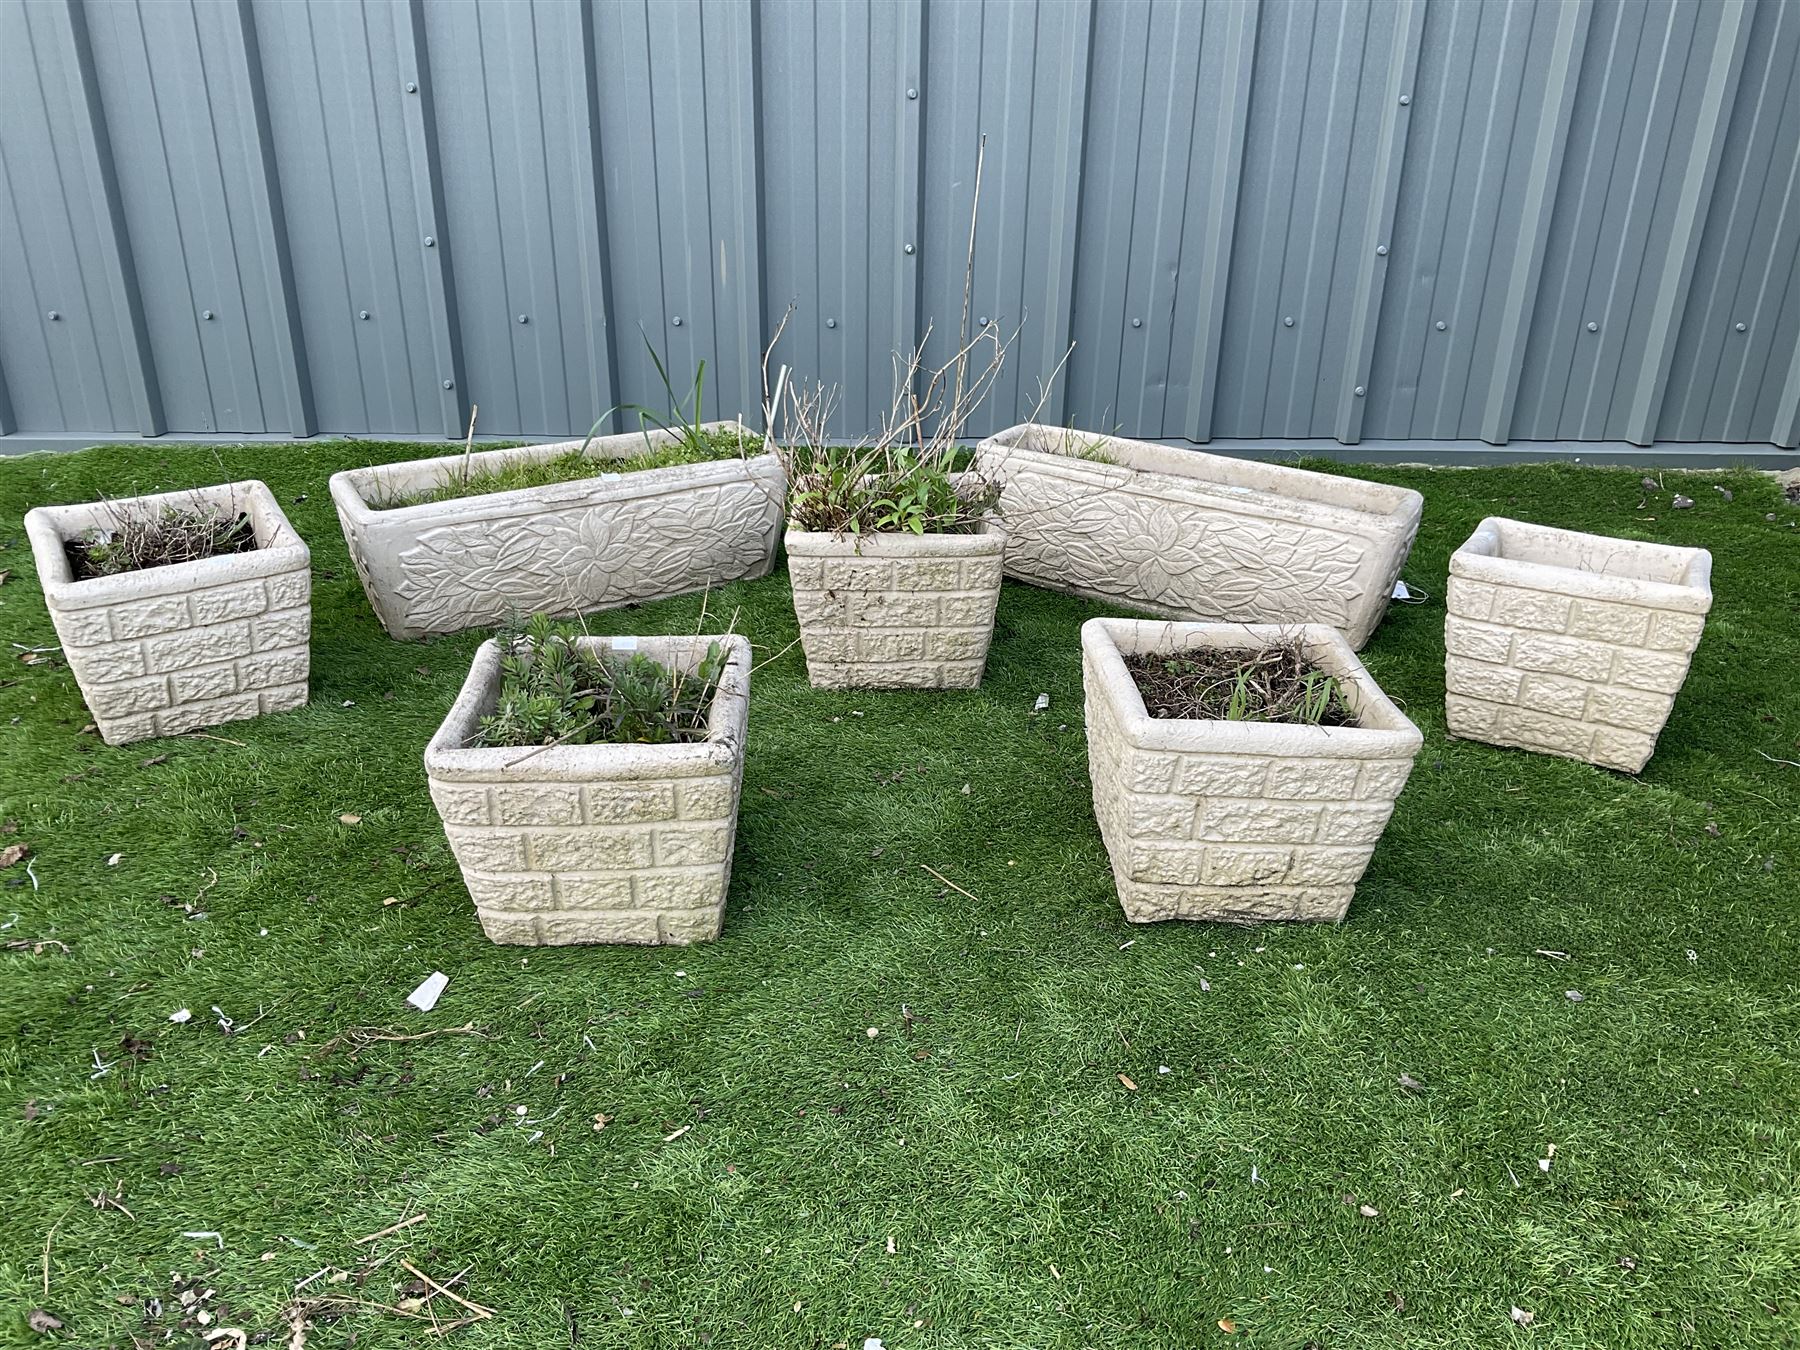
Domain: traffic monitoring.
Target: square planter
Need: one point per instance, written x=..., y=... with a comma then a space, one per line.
x=1197, y=536
x=1570, y=644
x=896, y=611
x=568, y=548
x=166, y=650
x=595, y=843
x=1237, y=821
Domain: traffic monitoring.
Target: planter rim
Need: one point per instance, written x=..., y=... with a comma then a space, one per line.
x=448, y=758
x=1383, y=730
x=1271, y=487
x=50, y=527
x=350, y=486
x=989, y=539
x=1685, y=583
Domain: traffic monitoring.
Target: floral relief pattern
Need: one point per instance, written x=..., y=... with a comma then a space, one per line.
x=1204, y=561
x=582, y=558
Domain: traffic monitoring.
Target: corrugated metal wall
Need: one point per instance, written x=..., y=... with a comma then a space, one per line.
x=1393, y=220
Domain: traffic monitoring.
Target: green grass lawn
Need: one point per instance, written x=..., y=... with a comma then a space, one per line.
x=880, y=1107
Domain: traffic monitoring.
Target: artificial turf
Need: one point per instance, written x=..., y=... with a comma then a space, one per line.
x=880, y=1106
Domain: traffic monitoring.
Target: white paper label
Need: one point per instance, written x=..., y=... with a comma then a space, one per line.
x=1400, y=591
x=425, y=997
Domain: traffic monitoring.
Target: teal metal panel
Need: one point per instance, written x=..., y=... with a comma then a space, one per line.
x=1260, y=222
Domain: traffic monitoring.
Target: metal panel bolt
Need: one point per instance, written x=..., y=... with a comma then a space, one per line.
x=430, y=242
x=449, y=384
x=676, y=321
x=909, y=248
x=1593, y=327
x=1288, y=321
x=831, y=323
x=206, y=314
x=55, y=315
x=362, y=313
x=1381, y=250
x=1137, y=323
x=912, y=93
x=1406, y=100
x=1360, y=391
x=411, y=87
x=1441, y=325
x=1743, y=328
x=982, y=322
x=524, y=318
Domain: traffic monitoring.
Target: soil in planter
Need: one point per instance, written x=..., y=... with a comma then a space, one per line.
x=1207, y=684
x=555, y=692
x=693, y=447
x=144, y=539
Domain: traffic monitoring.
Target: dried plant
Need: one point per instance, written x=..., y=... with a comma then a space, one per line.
x=1214, y=684
x=143, y=536
x=913, y=474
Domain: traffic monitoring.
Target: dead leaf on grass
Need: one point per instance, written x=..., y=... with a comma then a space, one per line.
x=1228, y=1326
x=349, y=818
x=1522, y=1317
x=1410, y=1083
x=1368, y=1211
x=43, y=1322
x=153, y=761
x=13, y=853
x=1129, y=1085
x=5, y=575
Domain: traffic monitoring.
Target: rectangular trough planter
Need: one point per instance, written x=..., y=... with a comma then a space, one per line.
x=1570, y=644
x=1198, y=536
x=568, y=548
x=896, y=611
x=166, y=650
x=595, y=843
x=1237, y=821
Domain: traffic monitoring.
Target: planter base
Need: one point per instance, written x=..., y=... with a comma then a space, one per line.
x=895, y=611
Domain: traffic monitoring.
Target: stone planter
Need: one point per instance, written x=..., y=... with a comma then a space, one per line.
x=596, y=543
x=1197, y=536
x=166, y=650
x=595, y=843
x=1237, y=821
x=1570, y=644
x=896, y=611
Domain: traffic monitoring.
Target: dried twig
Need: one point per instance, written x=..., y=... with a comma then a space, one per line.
x=450, y=1294
x=49, y=1238
x=1792, y=764
x=223, y=740
x=390, y=1229
x=951, y=884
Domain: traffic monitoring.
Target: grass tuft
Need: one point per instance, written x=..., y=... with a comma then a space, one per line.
x=695, y=446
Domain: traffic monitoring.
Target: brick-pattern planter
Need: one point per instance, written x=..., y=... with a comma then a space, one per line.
x=896, y=611
x=569, y=548
x=166, y=650
x=1237, y=821
x=1197, y=536
x=595, y=843
x=1570, y=644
